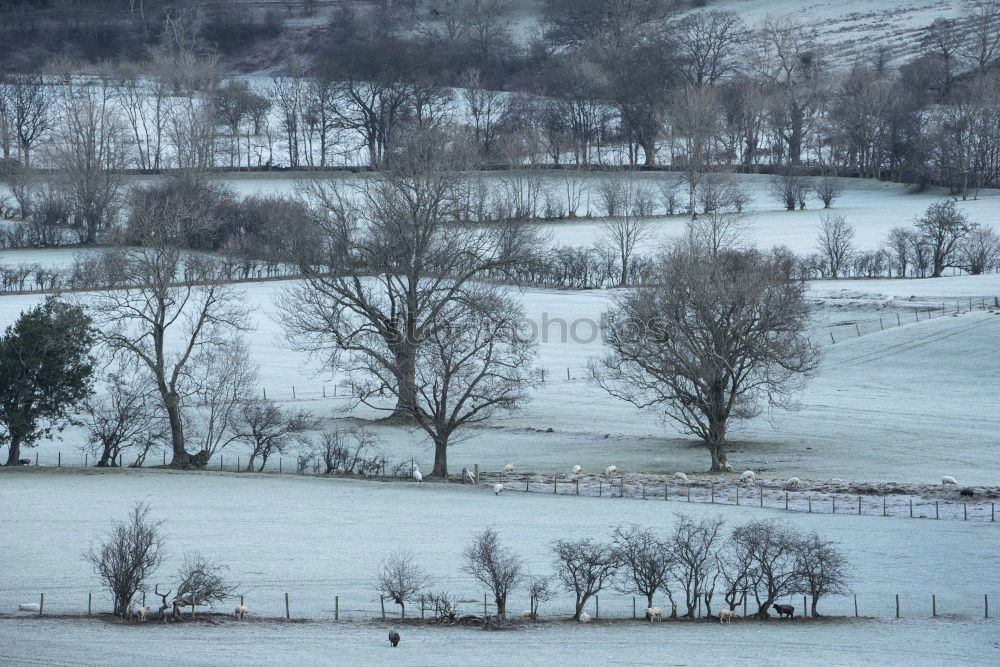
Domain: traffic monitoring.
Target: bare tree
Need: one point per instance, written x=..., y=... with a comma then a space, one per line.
x=628, y=204
x=900, y=247
x=221, y=380
x=400, y=579
x=943, y=226
x=695, y=120
x=124, y=418
x=584, y=567
x=201, y=582
x=495, y=566
x=471, y=363
x=718, y=230
x=395, y=228
x=981, y=46
x=707, y=44
x=89, y=149
x=487, y=109
x=267, y=429
x=540, y=589
x=173, y=307
x=828, y=189
x=646, y=561
x=774, y=551
x=695, y=348
x=790, y=188
x=127, y=557
x=980, y=250
x=822, y=568
x=693, y=545
x=29, y=111
x=835, y=242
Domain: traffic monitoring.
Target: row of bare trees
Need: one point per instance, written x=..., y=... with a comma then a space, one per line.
x=763, y=560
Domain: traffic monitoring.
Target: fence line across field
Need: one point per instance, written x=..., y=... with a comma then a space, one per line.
x=808, y=502
x=607, y=605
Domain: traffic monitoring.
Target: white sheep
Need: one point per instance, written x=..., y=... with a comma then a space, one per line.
x=576, y=470
x=654, y=614
x=417, y=476
x=29, y=606
x=728, y=467
x=793, y=482
x=140, y=614
x=241, y=612
x=948, y=479
x=497, y=489
x=585, y=617
x=509, y=468
x=748, y=476
x=726, y=615
x=680, y=477
x=610, y=471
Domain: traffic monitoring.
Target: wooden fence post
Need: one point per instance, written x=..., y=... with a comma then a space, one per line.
x=554, y=488
x=933, y=606
x=41, y=604
x=288, y=612
x=737, y=495
x=526, y=482
x=897, y=605
x=761, y=491
x=600, y=488
x=577, y=482
x=381, y=600
x=834, y=340
x=666, y=491
x=884, y=509
x=90, y=600
x=855, y=605
x=485, y=610
x=475, y=473
x=834, y=502
x=859, y=505
x=633, y=608
x=336, y=607
x=810, y=500
x=241, y=600
x=936, y=515
x=965, y=511
x=689, y=494
x=597, y=606
x=643, y=491
x=786, y=500
x=986, y=606
x=911, y=508
x=59, y=461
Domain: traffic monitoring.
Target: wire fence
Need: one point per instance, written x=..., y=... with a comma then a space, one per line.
x=300, y=604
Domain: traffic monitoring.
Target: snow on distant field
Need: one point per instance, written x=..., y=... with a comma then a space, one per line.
x=907, y=404
x=315, y=538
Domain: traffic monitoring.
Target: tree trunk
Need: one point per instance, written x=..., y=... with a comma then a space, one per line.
x=440, y=458
x=649, y=599
x=501, y=607
x=649, y=149
x=14, y=453
x=812, y=607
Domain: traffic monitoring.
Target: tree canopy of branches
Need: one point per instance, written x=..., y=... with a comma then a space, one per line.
x=835, y=242
x=127, y=557
x=646, y=560
x=584, y=567
x=713, y=340
x=495, y=566
x=266, y=429
x=125, y=418
x=46, y=366
x=943, y=226
x=400, y=579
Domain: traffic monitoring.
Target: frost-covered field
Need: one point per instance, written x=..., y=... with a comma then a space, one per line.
x=904, y=642
x=326, y=534
x=908, y=404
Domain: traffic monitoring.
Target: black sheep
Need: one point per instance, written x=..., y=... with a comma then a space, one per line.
x=967, y=492
x=393, y=637
x=24, y=462
x=784, y=610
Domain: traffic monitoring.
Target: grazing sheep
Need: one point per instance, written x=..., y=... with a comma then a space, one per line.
x=784, y=610
x=748, y=476
x=727, y=467
x=509, y=468
x=610, y=471
x=585, y=617
x=140, y=614
x=681, y=477
x=948, y=479
x=726, y=615
x=793, y=482
x=29, y=606
x=576, y=470
x=967, y=491
x=417, y=476
x=654, y=614
x=393, y=638
x=497, y=489
x=241, y=612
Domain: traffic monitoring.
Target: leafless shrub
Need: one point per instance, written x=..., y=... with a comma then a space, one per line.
x=128, y=556
x=822, y=568
x=495, y=566
x=835, y=242
x=828, y=189
x=401, y=580
x=540, y=589
x=202, y=582
x=790, y=188
x=773, y=551
x=350, y=452
x=584, y=567
x=267, y=429
x=443, y=605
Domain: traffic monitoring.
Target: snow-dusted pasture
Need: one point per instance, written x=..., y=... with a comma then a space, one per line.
x=904, y=642
x=327, y=534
